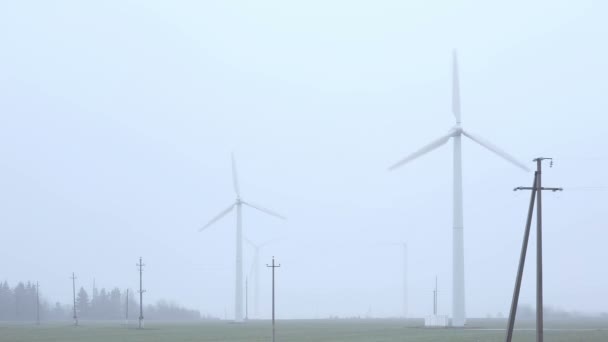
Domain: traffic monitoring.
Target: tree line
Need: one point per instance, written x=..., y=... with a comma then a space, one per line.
x=18, y=303
x=21, y=303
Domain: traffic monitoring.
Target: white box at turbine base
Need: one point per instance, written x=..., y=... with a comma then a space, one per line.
x=436, y=321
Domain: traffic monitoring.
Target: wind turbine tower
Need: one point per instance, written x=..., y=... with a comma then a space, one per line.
x=456, y=133
x=238, y=204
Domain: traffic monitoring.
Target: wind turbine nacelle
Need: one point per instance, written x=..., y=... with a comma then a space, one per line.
x=456, y=131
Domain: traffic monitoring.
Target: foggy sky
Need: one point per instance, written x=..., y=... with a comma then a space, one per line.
x=117, y=120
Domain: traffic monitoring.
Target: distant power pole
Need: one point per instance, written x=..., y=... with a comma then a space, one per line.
x=537, y=189
x=435, y=293
x=273, y=266
x=246, y=299
x=93, y=296
x=127, y=309
x=405, y=309
x=74, y=297
x=37, y=304
x=141, y=295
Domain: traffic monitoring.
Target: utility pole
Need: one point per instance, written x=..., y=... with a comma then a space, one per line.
x=246, y=299
x=74, y=297
x=37, y=304
x=536, y=189
x=273, y=266
x=127, y=309
x=141, y=295
x=435, y=298
x=405, y=309
x=93, y=297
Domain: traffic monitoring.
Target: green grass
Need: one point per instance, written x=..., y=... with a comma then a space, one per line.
x=304, y=330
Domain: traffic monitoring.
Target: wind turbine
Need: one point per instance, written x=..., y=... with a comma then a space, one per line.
x=238, y=204
x=458, y=293
x=255, y=269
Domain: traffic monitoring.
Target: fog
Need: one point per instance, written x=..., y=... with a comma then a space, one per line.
x=118, y=119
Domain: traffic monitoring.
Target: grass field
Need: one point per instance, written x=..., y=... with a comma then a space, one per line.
x=372, y=330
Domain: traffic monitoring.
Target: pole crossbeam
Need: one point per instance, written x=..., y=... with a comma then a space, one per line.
x=535, y=188
x=535, y=196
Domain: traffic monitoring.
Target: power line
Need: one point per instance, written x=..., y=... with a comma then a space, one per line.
x=586, y=188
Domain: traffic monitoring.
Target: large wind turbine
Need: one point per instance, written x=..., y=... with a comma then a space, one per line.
x=238, y=294
x=458, y=293
x=255, y=269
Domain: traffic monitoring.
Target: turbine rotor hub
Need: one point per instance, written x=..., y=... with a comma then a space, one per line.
x=456, y=130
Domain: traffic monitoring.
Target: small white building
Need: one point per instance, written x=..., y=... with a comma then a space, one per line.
x=436, y=321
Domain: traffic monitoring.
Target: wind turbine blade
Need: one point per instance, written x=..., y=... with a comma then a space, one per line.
x=218, y=217
x=495, y=149
x=250, y=242
x=268, y=242
x=251, y=269
x=455, y=88
x=235, y=178
x=264, y=210
x=426, y=149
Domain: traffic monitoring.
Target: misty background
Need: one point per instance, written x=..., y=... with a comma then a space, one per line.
x=117, y=120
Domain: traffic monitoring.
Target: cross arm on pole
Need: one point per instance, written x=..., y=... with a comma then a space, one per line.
x=533, y=188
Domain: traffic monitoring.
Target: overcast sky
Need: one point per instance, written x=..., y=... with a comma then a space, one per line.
x=117, y=120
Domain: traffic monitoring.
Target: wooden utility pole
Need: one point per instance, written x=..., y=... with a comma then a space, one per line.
x=536, y=189
x=141, y=295
x=273, y=266
x=74, y=297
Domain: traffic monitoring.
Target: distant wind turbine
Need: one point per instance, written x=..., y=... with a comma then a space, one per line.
x=238, y=301
x=255, y=270
x=458, y=291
